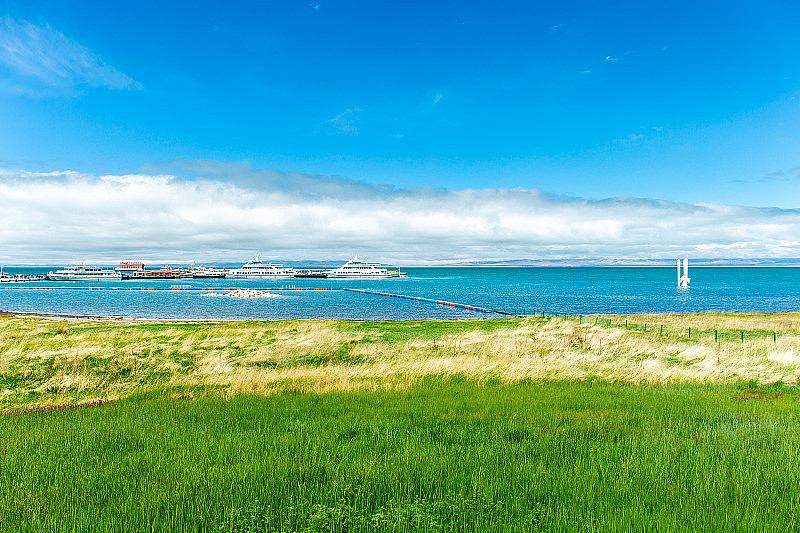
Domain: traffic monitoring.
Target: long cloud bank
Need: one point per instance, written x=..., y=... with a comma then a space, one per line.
x=227, y=212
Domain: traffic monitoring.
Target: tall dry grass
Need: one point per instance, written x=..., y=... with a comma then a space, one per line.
x=44, y=361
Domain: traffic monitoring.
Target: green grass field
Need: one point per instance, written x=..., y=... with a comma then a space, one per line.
x=535, y=424
x=445, y=455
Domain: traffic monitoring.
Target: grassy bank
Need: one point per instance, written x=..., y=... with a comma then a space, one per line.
x=46, y=362
x=534, y=424
x=444, y=455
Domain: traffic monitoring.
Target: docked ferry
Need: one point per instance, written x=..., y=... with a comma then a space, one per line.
x=256, y=269
x=84, y=273
x=204, y=272
x=8, y=278
x=356, y=269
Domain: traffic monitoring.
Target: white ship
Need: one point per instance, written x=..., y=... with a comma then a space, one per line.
x=7, y=278
x=256, y=269
x=355, y=269
x=203, y=272
x=84, y=273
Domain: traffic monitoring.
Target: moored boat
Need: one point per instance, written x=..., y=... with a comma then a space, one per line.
x=15, y=278
x=84, y=273
x=256, y=269
x=204, y=272
x=357, y=269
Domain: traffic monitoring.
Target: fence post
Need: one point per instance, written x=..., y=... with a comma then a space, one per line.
x=596, y=319
x=662, y=330
x=774, y=337
x=742, y=332
x=690, y=333
x=715, y=335
x=580, y=319
x=626, y=324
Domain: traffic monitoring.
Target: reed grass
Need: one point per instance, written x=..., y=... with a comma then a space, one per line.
x=45, y=362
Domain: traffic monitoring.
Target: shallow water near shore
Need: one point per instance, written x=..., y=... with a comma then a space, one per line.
x=571, y=290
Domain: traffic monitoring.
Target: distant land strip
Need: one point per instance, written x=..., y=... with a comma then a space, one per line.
x=792, y=262
x=698, y=262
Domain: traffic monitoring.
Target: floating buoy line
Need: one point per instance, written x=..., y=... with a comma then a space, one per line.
x=263, y=292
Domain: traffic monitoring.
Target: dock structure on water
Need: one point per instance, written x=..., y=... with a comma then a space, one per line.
x=683, y=280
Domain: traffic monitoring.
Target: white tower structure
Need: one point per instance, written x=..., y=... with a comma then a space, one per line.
x=683, y=281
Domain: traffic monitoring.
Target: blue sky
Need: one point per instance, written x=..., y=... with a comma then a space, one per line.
x=683, y=102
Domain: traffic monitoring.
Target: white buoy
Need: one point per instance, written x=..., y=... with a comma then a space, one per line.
x=683, y=280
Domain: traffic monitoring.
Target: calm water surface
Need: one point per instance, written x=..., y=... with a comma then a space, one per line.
x=553, y=290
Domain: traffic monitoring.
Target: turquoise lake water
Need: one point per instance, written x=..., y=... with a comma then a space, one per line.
x=561, y=290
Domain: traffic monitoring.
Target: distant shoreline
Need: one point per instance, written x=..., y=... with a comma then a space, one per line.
x=100, y=318
x=544, y=264
x=20, y=314
x=598, y=266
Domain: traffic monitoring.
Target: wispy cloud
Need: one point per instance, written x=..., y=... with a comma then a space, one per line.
x=229, y=211
x=631, y=137
x=615, y=59
x=779, y=176
x=345, y=122
x=39, y=57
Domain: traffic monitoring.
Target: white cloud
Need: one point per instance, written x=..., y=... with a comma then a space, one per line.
x=228, y=212
x=39, y=57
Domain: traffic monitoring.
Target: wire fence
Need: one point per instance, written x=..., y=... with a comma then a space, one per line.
x=666, y=330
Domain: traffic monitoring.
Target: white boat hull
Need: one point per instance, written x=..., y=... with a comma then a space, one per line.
x=67, y=277
x=366, y=276
x=261, y=276
x=355, y=269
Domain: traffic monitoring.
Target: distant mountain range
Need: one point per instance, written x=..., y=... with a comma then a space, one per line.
x=693, y=262
x=699, y=262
